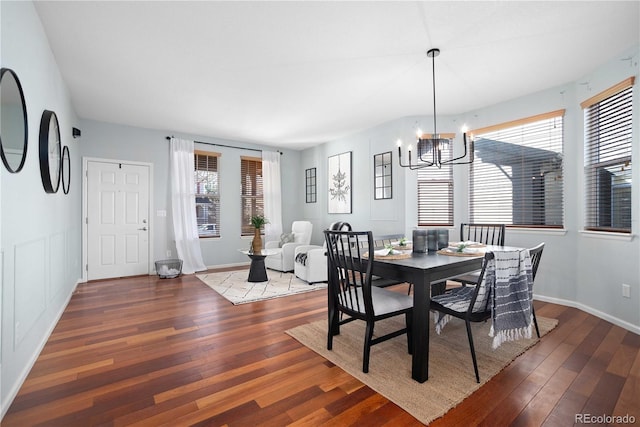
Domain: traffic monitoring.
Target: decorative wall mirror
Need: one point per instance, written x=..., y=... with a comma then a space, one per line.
x=310, y=185
x=13, y=124
x=66, y=169
x=383, y=188
x=50, y=152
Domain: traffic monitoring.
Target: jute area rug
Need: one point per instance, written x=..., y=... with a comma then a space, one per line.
x=451, y=376
x=233, y=285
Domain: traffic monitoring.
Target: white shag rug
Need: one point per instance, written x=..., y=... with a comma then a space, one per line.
x=233, y=285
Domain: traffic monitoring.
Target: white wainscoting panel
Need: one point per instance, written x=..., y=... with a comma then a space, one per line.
x=57, y=264
x=30, y=286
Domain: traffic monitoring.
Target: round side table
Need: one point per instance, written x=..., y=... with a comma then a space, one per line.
x=257, y=270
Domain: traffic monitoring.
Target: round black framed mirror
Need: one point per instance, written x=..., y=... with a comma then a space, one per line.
x=50, y=151
x=66, y=169
x=13, y=121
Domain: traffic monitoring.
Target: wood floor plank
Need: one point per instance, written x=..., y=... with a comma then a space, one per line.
x=564, y=413
x=151, y=352
x=627, y=403
x=315, y=406
x=541, y=405
x=530, y=389
x=605, y=395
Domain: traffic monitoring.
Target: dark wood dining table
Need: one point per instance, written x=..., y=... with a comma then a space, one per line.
x=421, y=270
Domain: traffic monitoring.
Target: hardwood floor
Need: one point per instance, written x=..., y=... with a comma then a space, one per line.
x=151, y=352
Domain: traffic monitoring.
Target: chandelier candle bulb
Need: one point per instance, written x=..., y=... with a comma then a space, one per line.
x=471, y=153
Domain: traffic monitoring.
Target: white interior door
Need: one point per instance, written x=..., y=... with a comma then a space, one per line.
x=117, y=220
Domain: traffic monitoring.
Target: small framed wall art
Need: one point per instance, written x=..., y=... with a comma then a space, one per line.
x=311, y=188
x=382, y=184
x=339, y=183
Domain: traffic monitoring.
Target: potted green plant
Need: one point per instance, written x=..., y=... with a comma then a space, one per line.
x=257, y=221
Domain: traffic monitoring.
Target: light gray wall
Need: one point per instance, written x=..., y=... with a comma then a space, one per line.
x=126, y=143
x=383, y=216
x=606, y=263
x=40, y=233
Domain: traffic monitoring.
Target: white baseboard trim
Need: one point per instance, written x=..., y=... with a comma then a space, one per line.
x=8, y=398
x=236, y=264
x=213, y=267
x=609, y=318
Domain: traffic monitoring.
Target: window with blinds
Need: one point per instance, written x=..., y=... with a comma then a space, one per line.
x=207, y=193
x=252, y=195
x=517, y=176
x=607, y=166
x=435, y=192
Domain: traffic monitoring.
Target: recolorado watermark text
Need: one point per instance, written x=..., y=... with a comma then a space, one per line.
x=604, y=419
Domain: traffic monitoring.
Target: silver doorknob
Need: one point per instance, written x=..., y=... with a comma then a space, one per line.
x=143, y=228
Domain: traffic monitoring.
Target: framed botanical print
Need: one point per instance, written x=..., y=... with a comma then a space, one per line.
x=339, y=183
x=310, y=185
x=382, y=185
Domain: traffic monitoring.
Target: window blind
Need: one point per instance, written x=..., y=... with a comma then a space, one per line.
x=517, y=176
x=207, y=194
x=252, y=192
x=608, y=140
x=435, y=192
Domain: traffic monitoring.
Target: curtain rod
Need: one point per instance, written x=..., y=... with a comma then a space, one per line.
x=228, y=146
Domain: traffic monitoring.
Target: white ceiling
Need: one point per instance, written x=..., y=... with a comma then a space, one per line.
x=292, y=74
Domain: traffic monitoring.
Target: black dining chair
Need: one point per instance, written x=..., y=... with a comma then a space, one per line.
x=469, y=303
x=352, y=296
x=473, y=303
x=488, y=234
x=380, y=242
x=536, y=254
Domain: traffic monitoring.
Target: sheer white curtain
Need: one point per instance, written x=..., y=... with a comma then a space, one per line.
x=272, y=194
x=183, y=206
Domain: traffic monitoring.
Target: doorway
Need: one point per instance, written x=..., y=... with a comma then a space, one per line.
x=117, y=218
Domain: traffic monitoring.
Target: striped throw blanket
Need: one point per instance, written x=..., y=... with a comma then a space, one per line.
x=512, y=294
x=510, y=280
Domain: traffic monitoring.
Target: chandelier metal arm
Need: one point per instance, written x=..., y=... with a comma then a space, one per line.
x=471, y=154
x=413, y=166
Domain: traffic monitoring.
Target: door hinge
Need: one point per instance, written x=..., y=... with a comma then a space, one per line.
x=86, y=220
x=86, y=267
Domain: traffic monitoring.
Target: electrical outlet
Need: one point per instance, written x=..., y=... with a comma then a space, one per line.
x=626, y=290
x=169, y=253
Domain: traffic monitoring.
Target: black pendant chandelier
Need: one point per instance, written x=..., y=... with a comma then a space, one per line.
x=430, y=148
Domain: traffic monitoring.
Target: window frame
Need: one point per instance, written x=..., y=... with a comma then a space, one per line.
x=257, y=198
x=197, y=193
x=521, y=212
x=431, y=178
x=608, y=133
